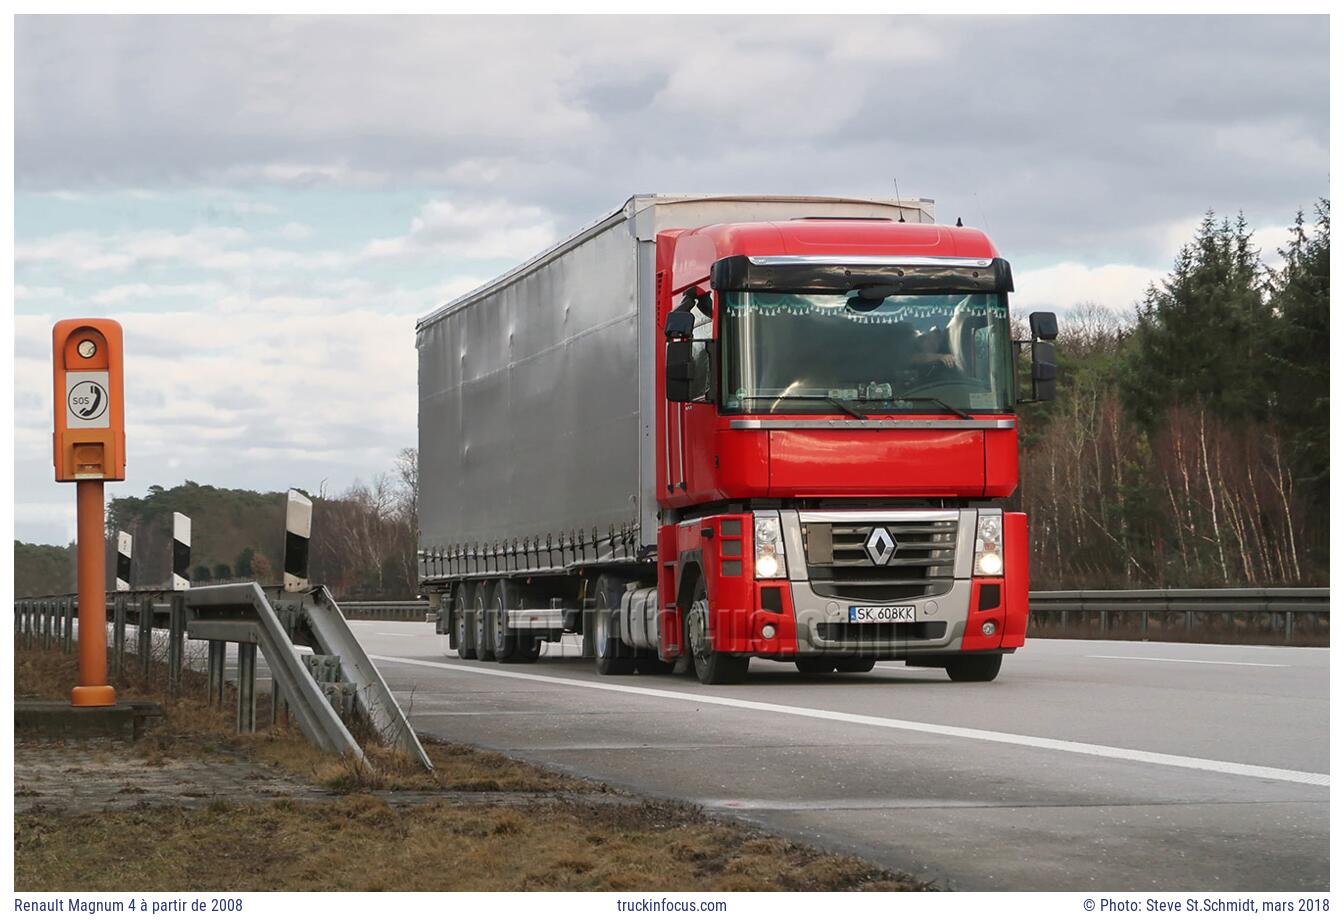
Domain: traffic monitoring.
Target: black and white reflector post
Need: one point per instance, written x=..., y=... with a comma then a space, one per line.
x=181, y=552
x=123, y=561
x=298, y=528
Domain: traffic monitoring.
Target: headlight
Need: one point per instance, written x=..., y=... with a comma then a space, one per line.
x=989, y=544
x=769, y=545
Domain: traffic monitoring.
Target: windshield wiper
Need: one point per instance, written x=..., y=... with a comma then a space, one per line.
x=833, y=400
x=933, y=399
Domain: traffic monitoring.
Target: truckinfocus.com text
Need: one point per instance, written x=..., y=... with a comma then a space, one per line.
x=657, y=905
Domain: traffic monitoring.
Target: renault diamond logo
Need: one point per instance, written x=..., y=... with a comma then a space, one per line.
x=880, y=546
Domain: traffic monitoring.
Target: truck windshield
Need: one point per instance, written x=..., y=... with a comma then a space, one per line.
x=916, y=353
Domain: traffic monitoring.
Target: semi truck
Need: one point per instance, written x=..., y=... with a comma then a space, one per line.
x=707, y=429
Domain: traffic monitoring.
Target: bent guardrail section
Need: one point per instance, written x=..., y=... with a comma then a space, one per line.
x=332, y=636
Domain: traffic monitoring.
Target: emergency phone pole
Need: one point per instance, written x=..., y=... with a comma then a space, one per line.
x=90, y=448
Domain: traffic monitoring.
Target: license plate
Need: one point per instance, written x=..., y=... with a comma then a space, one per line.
x=889, y=614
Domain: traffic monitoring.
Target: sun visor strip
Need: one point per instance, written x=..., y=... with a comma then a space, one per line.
x=839, y=274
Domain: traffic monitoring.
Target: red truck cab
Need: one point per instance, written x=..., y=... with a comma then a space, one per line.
x=835, y=425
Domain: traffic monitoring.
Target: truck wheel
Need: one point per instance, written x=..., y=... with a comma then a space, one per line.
x=503, y=640
x=974, y=668
x=814, y=665
x=463, y=631
x=855, y=665
x=711, y=667
x=480, y=620
x=613, y=655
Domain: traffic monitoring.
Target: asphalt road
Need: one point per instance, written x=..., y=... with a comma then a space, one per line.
x=1097, y=766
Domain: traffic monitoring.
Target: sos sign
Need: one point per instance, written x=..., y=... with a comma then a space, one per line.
x=89, y=441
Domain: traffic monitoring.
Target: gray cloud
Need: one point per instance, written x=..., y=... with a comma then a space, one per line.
x=1076, y=135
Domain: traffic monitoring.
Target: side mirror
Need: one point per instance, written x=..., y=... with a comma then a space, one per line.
x=680, y=325
x=1043, y=368
x=1043, y=326
x=680, y=369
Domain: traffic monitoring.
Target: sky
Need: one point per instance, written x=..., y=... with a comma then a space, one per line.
x=267, y=204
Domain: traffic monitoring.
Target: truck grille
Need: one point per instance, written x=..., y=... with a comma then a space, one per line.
x=841, y=564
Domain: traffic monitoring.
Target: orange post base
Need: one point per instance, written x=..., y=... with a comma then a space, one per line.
x=93, y=696
x=93, y=689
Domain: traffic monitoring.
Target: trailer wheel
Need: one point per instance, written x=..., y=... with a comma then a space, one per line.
x=855, y=665
x=463, y=631
x=613, y=655
x=711, y=667
x=814, y=665
x=977, y=668
x=480, y=620
x=503, y=639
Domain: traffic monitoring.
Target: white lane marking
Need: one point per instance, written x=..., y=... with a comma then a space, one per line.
x=397, y=635
x=953, y=731
x=1240, y=664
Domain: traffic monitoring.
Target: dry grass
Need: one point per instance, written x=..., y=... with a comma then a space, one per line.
x=359, y=841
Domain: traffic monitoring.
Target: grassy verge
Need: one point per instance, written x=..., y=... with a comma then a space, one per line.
x=573, y=837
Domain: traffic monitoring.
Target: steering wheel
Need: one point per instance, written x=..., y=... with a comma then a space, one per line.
x=933, y=375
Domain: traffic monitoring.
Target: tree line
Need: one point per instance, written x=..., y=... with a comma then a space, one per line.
x=1189, y=444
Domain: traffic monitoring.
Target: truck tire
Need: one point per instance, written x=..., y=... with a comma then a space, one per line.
x=977, y=668
x=480, y=620
x=814, y=665
x=711, y=667
x=613, y=656
x=502, y=639
x=463, y=631
x=855, y=665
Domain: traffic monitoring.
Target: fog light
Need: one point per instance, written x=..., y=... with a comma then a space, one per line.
x=989, y=628
x=767, y=566
x=768, y=631
x=991, y=563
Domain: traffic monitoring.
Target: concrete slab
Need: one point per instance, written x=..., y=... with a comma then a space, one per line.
x=59, y=720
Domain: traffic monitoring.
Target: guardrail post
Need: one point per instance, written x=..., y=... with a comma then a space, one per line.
x=215, y=672
x=1288, y=626
x=29, y=624
x=1105, y=621
x=144, y=634
x=118, y=635
x=177, y=623
x=68, y=627
x=46, y=623
x=1189, y=622
x=247, y=687
x=1143, y=630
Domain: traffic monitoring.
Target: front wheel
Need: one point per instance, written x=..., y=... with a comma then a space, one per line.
x=814, y=665
x=974, y=668
x=711, y=667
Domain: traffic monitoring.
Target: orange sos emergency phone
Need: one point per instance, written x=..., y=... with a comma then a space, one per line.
x=90, y=434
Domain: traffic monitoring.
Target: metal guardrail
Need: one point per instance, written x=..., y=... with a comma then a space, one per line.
x=254, y=618
x=385, y=610
x=1265, y=614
